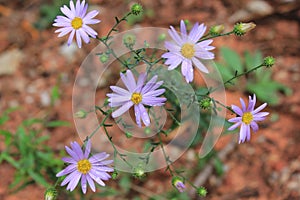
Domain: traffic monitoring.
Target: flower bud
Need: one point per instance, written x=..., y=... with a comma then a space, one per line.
x=139, y=172
x=50, y=194
x=129, y=40
x=205, y=103
x=201, y=191
x=136, y=9
x=81, y=114
x=242, y=28
x=177, y=182
x=162, y=37
x=147, y=131
x=269, y=61
x=104, y=58
x=114, y=175
x=128, y=134
x=216, y=30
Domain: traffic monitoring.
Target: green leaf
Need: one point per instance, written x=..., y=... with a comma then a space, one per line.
x=125, y=183
x=58, y=123
x=38, y=178
x=7, y=136
x=232, y=59
x=55, y=94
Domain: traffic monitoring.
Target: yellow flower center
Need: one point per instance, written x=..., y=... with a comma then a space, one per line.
x=136, y=98
x=76, y=23
x=187, y=50
x=84, y=166
x=247, y=118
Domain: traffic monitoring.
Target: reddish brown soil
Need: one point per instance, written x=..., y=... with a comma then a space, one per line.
x=266, y=168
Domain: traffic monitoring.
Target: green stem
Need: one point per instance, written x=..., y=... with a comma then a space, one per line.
x=116, y=24
x=236, y=76
x=214, y=36
x=167, y=159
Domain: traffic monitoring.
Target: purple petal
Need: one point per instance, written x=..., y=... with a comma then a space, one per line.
x=259, y=108
x=83, y=183
x=119, y=90
x=183, y=28
x=154, y=93
x=71, y=37
x=87, y=149
x=66, y=11
x=98, y=157
x=235, y=119
x=73, y=183
x=91, y=15
x=84, y=36
x=91, y=182
x=144, y=114
x=72, y=153
x=243, y=133
x=234, y=126
x=69, y=169
x=77, y=149
x=237, y=110
x=137, y=114
x=78, y=38
x=243, y=105
x=128, y=80
x=122, y=109
x=199, y=65
x=171, y=46
x=184, y=69
x=248, y=134
x=260, y=115
x=154, y=101
x=69, y=160
x=252, y=103
x=89, y=31
x=254, y=126
x=94, y=176
x=140, y=82
x=173, y=33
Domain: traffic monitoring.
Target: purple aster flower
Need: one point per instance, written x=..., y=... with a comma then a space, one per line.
x=88, y=169
x=137, y=95
x=186, y=50
x=247, y=118
x=76, y=21
x=178, y=183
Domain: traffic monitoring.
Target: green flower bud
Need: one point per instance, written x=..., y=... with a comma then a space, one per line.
x=201, y=191
x=242, y=28
x=136, y=9
x=114, y=175
x=269, y=61
x=129, y=40
x=50, y=194
x=186, y=21
x=216, y=30
x=104, y=58
x=139, y=172
x=147, y=130
x=81, y=114
x=146, y=44
x=205, y=103
x=162, y=37
x=128, y=134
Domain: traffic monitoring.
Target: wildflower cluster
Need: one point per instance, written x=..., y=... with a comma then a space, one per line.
x=140, y=92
